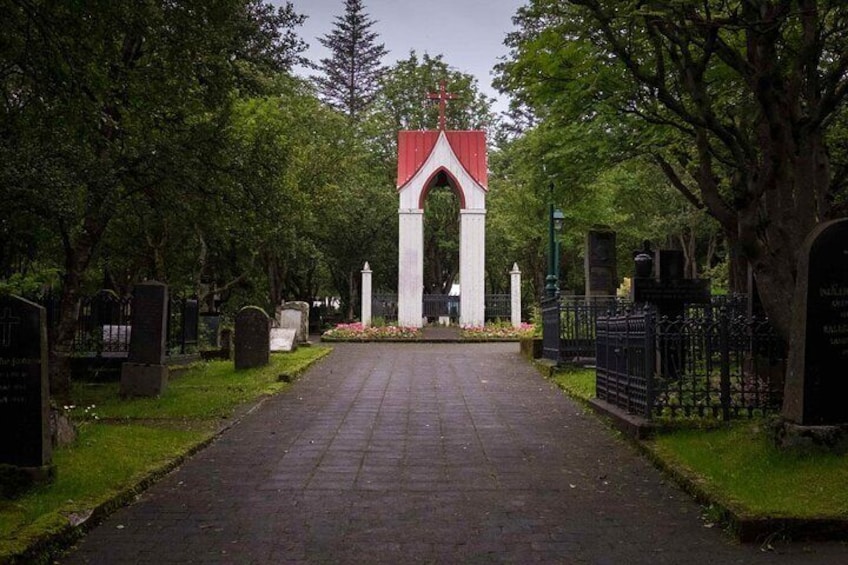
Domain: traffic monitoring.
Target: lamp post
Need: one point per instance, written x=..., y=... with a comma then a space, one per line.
x=556, y=219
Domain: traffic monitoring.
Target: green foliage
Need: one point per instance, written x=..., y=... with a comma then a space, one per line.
x=350, y=76
x=732, y=115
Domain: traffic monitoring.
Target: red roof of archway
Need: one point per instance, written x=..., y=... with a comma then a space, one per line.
x=414, y=147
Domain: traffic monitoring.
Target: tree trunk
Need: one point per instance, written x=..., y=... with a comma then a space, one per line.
x=78, y=255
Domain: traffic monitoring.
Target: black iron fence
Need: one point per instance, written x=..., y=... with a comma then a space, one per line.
x=569, y=325
x=104, y=324
x=183, y=322
x=384, y=306
x=441, y=305
x=498, y=307
x=711, y=362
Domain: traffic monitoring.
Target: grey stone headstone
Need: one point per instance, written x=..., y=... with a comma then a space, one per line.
x=283, y=340
x=600, y=263
x=253, y=339
x=295, y=315
x=24, y=392
x=149, y=323
x=145, y=372
x=816, y=391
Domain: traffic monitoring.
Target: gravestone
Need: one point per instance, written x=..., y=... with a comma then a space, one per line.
x=671, y=265
x=145, y=372
x=668, y=294
x=816, y=390
x=283, y=340
x=253, y=339
x=24, y=409
x=670, y=291
x=600, y=263
x=226, y=343
x=295, y=315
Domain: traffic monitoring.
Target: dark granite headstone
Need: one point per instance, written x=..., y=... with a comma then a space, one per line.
x=149, y=323
x=253, y=338
x=600, y=263
x=816, y=391
x=24, y=393
x=671, y=265
x=145, y=372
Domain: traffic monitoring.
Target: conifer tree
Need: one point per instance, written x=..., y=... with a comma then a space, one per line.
x=350, y=75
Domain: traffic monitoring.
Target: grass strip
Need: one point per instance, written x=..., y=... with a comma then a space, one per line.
x=737, y=466
x=124, y=443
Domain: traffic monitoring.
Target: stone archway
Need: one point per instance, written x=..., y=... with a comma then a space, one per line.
x=460, y=158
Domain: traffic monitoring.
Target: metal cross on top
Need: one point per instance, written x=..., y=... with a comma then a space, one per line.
x=442, y=96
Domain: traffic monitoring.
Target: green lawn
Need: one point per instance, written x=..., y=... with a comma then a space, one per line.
x=123, y=442
x=738, y=466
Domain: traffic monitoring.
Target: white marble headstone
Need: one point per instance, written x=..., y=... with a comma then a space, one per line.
x=283, y=339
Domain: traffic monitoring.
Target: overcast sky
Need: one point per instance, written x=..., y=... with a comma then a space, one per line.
x=469, y=33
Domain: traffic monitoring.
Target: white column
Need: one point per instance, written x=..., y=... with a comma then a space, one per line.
x=472, y=267
x=410, y=267
x=515, y=295
x=366, y=295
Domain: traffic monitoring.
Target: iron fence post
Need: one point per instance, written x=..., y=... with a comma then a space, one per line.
x=650, y=362
x=724, y=346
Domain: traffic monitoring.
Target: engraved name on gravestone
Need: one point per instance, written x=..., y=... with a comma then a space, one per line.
x=816, y=390
x=25, y=436
x=253, y=340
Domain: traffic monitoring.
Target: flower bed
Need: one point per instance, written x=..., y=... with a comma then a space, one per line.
x=358, y=332
x=496, y=332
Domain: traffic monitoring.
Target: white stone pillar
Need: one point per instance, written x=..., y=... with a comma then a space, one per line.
x=472, y=267
x=410, y=267
x=515, y=295
x=366, y=295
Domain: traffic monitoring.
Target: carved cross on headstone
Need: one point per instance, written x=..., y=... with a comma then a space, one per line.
x=6, y=323
x=442, y=96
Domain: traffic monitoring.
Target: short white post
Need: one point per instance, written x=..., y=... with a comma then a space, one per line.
x=366, y=295
x=515, y=291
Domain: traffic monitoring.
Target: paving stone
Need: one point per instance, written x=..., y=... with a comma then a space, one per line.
x=421, y=453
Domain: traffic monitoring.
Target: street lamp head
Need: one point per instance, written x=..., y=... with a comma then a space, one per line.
x=559, y=219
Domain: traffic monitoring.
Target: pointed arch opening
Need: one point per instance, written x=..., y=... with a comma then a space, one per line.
x=442, y=177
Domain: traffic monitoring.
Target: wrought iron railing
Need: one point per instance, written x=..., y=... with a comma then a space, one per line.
x=385, y=306
x=104, y=324
x=717, y=364
x=183, y=322
x=441, y=305
x=498, y=307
